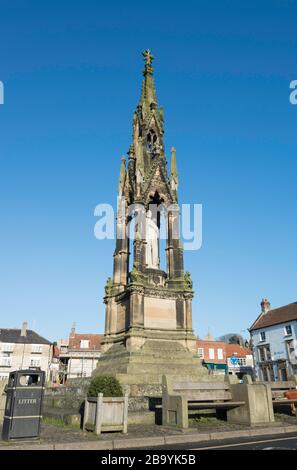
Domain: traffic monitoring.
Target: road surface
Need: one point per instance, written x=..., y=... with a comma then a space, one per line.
x=281, y=442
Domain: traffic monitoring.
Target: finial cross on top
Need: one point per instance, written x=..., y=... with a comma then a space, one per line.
x=148, y=57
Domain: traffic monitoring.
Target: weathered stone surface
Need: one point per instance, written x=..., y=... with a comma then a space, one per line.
x=141, y=372
x=99, y=445
x=258, y=407
x=61, y=405
x=148, y=327
x=2, y=408
x=3, y=384
x=187, y=438
x=29, y=446
x=70, y=397
x=141, y=417
x=73, y=420
x=267, y=431
x=228, y=434
x=133, y=443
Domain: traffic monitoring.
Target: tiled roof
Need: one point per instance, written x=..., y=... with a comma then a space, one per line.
x=8, y=335
x=56, y=351
x=276, y=316
x=238, y=350
x=94, y=341
x=229, y=349
x=200, y=343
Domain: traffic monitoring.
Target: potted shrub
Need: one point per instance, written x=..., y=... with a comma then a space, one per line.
x=106, y=409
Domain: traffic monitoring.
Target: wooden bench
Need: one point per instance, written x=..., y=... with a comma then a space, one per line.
x=278, y=391
x=182, y=395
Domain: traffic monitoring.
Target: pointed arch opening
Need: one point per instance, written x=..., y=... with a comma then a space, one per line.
x=151, y=141
x=157, y=232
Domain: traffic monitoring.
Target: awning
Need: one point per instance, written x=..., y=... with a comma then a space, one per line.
x=215, y=366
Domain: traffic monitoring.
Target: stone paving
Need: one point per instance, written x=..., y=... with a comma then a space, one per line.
x=51, y=434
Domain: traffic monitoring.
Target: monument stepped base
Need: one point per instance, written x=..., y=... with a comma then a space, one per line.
x=140, y=372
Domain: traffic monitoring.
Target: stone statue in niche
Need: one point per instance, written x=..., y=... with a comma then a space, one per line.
x=152, y=242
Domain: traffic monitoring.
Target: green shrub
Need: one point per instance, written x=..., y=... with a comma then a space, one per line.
x=106, y=384
x=204, y=419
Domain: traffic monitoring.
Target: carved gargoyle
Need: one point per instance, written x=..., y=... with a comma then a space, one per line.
x=108, y=286
x=188, y=281
x=134, y=274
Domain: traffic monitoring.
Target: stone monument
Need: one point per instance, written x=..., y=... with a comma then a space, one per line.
x=148, y=324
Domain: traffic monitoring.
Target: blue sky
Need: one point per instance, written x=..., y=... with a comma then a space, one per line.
x=72, y=77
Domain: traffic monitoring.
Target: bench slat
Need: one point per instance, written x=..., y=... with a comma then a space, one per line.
x=200, y=386
x=210, y=405
x=285, y=401
x=278, y=393
x=204, y=395
x=281, y=385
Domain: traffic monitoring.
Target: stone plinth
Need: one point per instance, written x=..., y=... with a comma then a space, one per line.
x=141, y=371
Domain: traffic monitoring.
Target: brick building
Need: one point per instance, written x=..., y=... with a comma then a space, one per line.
x=213, y=355
x=223, y=358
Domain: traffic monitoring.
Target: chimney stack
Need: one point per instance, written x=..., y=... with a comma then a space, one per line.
x=24, y=328
x=265, y=306
x=72, y=331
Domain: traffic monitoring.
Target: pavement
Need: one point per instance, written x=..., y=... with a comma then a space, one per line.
x=168, y=438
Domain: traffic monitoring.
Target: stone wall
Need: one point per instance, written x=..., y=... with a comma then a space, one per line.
x=66, y=402
x=70, y=397
x=3, y=383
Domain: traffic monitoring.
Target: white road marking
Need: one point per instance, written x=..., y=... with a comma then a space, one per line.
x=247, y=443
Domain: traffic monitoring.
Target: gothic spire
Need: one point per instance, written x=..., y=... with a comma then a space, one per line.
x=148, y=94
x=147, y=155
